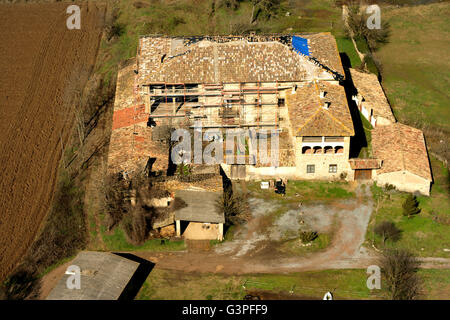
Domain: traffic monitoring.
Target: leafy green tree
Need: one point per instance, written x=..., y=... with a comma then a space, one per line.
x=387, y=231
x=410, y=206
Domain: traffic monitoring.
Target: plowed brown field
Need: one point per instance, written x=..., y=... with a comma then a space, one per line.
x=43, y=69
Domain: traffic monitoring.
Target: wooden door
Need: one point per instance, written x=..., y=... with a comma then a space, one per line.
x=363, y=174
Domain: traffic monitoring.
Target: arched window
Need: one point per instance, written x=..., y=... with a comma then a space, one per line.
x=306, y=150
x=328, y=150
x=318, y=150
x=339, y=150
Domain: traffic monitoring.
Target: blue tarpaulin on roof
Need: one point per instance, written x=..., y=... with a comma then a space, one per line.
x=300, y=45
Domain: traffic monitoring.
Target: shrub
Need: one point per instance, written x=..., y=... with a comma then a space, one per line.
x=387, y=231
x=308, y=236
x=410, y=206
x=116, y=30
x=135, y=226
x=400, y=273
x=20, y=285
x=230, y=4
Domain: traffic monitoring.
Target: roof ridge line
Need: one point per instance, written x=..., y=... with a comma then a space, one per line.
x=316, y=112
x=338, y=121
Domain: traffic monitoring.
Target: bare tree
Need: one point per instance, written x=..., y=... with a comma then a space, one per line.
x=232, y=207
x=135, y=226
x=400, y=273
x=357, y=22
x=116, y=194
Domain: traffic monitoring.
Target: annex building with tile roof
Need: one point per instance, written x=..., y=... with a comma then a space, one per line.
x=405, y=158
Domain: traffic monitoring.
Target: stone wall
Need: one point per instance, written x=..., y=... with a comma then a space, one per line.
x=404, y=181
x=322, y=163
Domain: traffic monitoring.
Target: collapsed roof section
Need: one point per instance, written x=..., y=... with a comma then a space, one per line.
x=237, y=59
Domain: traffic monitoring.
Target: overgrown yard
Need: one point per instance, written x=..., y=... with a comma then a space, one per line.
x=305, y=191
x=116, y=241
x=296, y=224
x=345, y=45
x=426, y=234
x=345, y=284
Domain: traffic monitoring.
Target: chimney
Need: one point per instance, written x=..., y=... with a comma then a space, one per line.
x=322, y=94
x=294, y=88
x=326, y=105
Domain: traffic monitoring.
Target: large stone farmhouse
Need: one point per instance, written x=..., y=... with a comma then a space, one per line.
x=291, y=84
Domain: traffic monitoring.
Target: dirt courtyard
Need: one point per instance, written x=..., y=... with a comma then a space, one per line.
x=43, y=69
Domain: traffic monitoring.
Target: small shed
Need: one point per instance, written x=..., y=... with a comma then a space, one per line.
x=103, y=276
x=205, y=220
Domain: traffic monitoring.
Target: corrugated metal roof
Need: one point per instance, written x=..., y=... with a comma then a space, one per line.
x=104, y=276
x=200, y=206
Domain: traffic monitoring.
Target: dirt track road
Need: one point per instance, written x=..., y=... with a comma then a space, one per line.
x=43, y=69
x=345, y=251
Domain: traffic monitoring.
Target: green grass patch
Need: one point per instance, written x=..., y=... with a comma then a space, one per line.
x=116, y=241
x=304, y=191
x=425, y=234
x=345, y=45
x=229, y=234
x=366, y=151
x=345, y=284
x=296, y=247
x=55, y=265
x=362, y=45
x=415, y=74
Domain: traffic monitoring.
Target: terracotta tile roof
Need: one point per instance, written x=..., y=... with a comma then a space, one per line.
x=402, y=148
x=164, y=59
x=364, y=163
x=308, y=117
x=369, y=87
x=124, y=86
x=323, y=46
